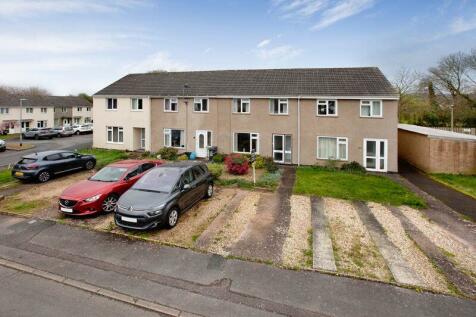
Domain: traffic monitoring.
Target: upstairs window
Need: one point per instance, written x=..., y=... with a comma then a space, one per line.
x=200, y=105
x=43, y=110
x=79, y=109
x=278, y=106
x=136, y=104
x=170, y=104
x=327, y=108
x=29, y=110
x=4, y=110
x=371, y=108
x=241, y=105
x=88, y=108
x=63, y=109
x=111, y=103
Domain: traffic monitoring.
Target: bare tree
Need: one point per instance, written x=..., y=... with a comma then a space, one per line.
x=450, y=77
x=406, y=81
x=30, y=91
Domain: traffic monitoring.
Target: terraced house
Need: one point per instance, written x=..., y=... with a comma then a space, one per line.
x=296, y=116
x=42, y=111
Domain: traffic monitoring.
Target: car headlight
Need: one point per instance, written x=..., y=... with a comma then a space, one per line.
x=156, y=210
x=91, y=199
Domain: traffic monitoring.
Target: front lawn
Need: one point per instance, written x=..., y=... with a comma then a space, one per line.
x=9, y=136
x=6, y=177
x=353, y=186
x=464, y=183
x=104, y=157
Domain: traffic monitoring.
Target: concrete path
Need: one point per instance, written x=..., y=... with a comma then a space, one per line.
x=460, y=280
x=191, y=282
x=392, y=255
x=323, y=253
x=264, y=238
x=456, y=200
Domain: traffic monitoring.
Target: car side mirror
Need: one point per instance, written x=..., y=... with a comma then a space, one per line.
x=186, y=187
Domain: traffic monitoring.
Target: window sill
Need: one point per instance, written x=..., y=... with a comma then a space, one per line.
x=246, y=113
x=327, y=115
x=279, y=114
x=338, y=160
x=201, y=111
x=371, y=117
x=171, y=111
x=142, y=110
x=111, y=109
x=114, y=142
x=257, y=153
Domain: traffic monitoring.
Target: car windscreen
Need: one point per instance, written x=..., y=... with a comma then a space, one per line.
x=109, y=174
x=26, y=160
x=161, y=179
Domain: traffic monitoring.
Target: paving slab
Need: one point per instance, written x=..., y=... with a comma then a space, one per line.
x=401, y=271
x=323, y=253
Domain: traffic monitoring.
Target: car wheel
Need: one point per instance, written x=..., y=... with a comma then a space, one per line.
x=36, y=137
x=77, y=132
x=209, y=191
x=89, y=165
x=172, y=218
x=109, y=203
x=44, y=176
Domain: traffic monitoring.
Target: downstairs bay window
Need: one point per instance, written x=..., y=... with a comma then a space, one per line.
x=332, y=148
x=246, y=142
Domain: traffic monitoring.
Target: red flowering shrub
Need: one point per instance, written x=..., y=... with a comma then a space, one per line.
x=237, y=164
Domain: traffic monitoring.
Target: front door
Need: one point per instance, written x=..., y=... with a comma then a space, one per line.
x=142, y=138
x=203, y=139
x=282, y=152
x=375, y=154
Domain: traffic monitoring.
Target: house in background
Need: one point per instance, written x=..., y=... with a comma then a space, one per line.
x=437, y=151
x=42, y=111
x=296, y=116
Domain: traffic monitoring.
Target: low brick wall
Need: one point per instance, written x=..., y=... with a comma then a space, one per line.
x=436, y=155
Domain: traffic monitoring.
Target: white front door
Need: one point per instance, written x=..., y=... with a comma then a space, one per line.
x=282, y=148
x=375, y=154
x=142, y=138
x=203, y=139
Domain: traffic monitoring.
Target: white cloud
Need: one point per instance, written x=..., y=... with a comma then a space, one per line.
x=31, y=7
x=263, y=43
x=461, y=24
x=342, y=10
x=299, y=8
x=282, y=52
x=157, y=61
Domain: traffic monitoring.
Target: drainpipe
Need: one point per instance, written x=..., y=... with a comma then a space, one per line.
x=299, y=131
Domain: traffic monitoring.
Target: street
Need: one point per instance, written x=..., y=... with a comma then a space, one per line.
x=64, y=261
x=68, y=143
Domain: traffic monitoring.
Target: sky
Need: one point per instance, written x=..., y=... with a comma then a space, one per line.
x=72, y=46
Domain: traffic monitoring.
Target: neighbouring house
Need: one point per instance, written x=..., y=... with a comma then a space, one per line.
x=296, y=116
x=437, y=151
x=42, y=111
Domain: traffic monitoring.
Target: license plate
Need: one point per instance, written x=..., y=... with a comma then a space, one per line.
x=66, y=209
x=18, y=173
x=129, y=219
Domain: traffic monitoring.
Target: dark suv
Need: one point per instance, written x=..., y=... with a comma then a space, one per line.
x=161, y=195
x=42, y=166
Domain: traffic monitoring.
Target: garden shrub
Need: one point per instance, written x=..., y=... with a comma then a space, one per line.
x=215, y=169
x=237, y=164
x=270, y=165
x=353, y=167
x=168, y=153
x=218, y=158
x=260, y=162
x=183, y=157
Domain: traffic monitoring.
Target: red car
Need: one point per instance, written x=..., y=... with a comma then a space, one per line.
x=101, y=191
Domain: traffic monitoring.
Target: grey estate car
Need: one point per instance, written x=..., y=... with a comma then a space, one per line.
x=39, y=133
x=161, y=195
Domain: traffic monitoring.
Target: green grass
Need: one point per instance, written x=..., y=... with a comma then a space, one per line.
x=6, y=177
x=463, y=183
x=353, y=186
x=104, y=157
x=268, y=180
x=9, y=136
x=19, y=206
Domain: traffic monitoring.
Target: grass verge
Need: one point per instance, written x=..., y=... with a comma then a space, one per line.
x=353, y=186
x=9, y=136
x=463, y=183
x=6, y=178
x=22, y=207
x=105, y=157
x=268, y=180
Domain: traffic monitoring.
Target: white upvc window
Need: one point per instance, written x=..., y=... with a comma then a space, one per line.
x=63, y=109
x=79, y=109
x=245, y=142
x=41, y=124
x=170, y=104
x=4, y=110
x=111, y=103
x=278, y=106
x=43, y=110
x=241, y=105
x=136, y=104
x=87, y=119
x=76, y=120
x=332, y=148
x=371, y=108
x=115, y=135
x=29, y=110
x=327, y=108
x=174, y=138
x=88, y=108
x=200, y=104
